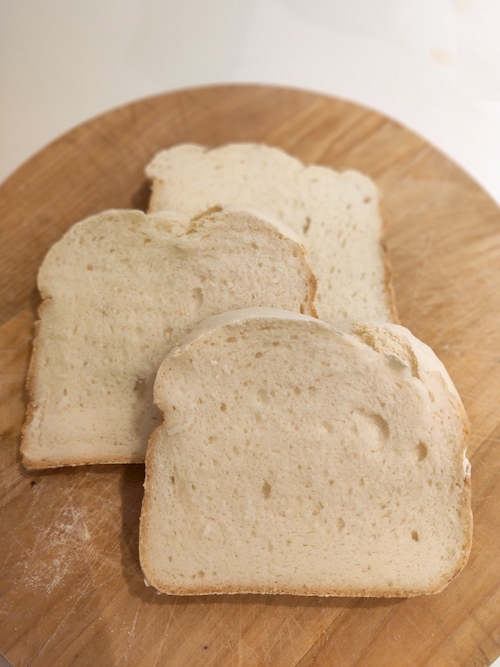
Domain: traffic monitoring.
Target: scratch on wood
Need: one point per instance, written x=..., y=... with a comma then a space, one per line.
x=296, y=622
x=165, y=634
x=240, y=640
x=179, y=626
x=379, y=627
x=54, y=633
x=131, y=635
x=472, y=613
x=265, y=644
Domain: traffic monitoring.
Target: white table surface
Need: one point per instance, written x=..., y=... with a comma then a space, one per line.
x=433, y=65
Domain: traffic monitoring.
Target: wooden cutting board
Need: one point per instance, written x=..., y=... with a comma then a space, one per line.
x=71, y=590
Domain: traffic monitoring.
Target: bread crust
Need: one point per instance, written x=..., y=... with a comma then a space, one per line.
x=304, y=293
x=388, y=273
x=163, y=196
x=427, y=364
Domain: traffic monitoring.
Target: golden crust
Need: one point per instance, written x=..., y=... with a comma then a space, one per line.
x=389, y=287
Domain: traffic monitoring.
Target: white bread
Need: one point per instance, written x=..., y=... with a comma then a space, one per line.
x=119, y=290
x=296, y=458
x=335, y=214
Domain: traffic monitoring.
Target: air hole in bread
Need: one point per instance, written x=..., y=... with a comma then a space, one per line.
x=231, y=339
x=307, y=224
x=258, y=355
x=340, y=524
x=211, y=439
x=266, y=489
x=140, y=386
x=90, y=267
x=197, y=296
x=327, y=426
x=421, y=451
x=263, y=396
x=381, y=424
x=373, y=426
x=414, y=535
x=362, y=482
x=318, y=509
x=297, y=390
x=223, y=407
x=172, y=480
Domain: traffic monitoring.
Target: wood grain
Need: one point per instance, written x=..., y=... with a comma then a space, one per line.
x=71, y=590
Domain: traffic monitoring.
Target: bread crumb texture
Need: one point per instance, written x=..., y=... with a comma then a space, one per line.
x=335, y=214
x=119, y=290
x=296, y=458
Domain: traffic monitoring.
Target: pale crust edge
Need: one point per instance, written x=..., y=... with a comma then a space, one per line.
x=150, y=580
x=34, y=462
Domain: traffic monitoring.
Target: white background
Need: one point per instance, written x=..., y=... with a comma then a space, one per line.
x=433, y=65
x=422, y=62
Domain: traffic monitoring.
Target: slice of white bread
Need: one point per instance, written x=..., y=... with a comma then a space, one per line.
x=335, y=214
x=296, y=458
x=119, y=290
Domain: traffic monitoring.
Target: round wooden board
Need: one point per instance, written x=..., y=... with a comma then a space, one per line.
x=71, y=590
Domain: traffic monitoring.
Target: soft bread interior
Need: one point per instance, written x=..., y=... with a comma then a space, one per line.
x=119, y=290
x=297, y=458
x=335, y=214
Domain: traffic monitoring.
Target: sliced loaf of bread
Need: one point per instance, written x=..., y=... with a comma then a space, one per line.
x=119, y=290
x=297, y=458
x=335, y=214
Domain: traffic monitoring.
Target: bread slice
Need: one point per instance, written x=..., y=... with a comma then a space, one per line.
x=296, y=458
x=119, y=290
x=335, y=214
